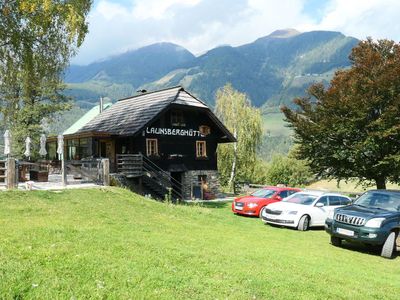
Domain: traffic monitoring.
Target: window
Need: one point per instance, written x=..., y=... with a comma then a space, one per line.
x=83, y=150
x=151, y=147
x=204, y=130
x=52, y=150
x=344, y=201
x=334, y=201
x=177, y=118
x=283, y=194
x=301, y=198
x=201, y=150
x=263, y=193
x=323, y=200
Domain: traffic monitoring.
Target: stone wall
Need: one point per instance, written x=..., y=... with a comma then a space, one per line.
x=191, y=178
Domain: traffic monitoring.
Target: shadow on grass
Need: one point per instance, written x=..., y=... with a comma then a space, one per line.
x=207, y=204
x=353, y=247
x=316, y=228
x=365, y=249
x=216, y=204
x=247, y=216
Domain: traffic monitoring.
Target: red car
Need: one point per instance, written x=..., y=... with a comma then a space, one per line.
x=253, y=204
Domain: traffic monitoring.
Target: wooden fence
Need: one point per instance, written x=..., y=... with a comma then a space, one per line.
x=95, y=170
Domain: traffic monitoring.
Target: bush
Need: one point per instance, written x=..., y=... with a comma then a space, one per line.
x=289, y=171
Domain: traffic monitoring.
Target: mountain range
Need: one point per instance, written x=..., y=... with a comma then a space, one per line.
x=271, y=70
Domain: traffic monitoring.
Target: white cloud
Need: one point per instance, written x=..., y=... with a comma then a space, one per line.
x=362, y=18
x=159, y=9
x=111, y=11
x=200, y=25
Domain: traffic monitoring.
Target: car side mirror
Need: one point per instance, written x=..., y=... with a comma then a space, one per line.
x=277, y=197
x=319, y=204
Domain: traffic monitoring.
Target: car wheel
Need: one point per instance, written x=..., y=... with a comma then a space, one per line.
x=304, y=223
x=262, y=211
x=335, y=241
x=388, y=246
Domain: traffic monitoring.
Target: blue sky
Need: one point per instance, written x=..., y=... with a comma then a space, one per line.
x=199, y=25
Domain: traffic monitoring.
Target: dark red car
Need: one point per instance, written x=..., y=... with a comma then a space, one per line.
x=253, y=204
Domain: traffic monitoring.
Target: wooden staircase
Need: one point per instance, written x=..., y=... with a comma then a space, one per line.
x=154, y=180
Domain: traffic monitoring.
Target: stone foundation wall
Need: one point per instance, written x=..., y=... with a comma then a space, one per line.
x=191, y=178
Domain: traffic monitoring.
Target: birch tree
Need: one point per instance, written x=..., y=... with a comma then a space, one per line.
x=236, y=161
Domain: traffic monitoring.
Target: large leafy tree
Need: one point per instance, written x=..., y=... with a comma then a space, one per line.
x=236, y=161
x=37, y=40
x=351, y=129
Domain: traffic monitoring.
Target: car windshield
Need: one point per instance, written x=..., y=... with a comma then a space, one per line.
x=264, y=193
x=301, y=198
x=379, y=199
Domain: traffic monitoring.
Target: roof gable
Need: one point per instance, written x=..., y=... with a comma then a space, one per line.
x=128, y=116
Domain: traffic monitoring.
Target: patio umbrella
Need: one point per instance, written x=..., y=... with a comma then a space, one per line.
x=28, y=142
x=60, y=146
x=42, y=150
x=7, y=143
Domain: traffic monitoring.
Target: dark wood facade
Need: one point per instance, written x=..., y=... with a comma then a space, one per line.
x=173, y=129
x=176, y=142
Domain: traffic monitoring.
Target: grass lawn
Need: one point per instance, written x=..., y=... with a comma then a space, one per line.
x=350, y=186
x=110, y=243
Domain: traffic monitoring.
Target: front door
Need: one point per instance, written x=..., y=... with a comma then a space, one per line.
x=107, y=150
x=176, y=181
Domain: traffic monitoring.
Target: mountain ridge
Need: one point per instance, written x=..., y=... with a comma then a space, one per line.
x=271, y=70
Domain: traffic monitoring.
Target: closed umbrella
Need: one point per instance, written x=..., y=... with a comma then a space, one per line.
x=7, y=143
x=42, y=150
x=60, y=146
x=28, y=142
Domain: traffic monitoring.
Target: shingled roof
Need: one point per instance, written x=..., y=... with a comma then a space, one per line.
x=130, y=115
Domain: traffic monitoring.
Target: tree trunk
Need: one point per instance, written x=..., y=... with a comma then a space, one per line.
x=380, y=183
x=233, y=169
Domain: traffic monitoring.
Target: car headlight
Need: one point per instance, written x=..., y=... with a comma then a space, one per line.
x=251, y=205
x=330, y=215
x=292, y=212
x=375, y=222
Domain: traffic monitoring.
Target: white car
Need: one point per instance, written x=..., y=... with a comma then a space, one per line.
x=304, y=209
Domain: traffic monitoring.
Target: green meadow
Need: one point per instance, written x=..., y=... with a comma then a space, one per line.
x=112, y=244
x=274, y=124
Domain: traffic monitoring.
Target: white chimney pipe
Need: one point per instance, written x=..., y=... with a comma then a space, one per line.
x=101, y=104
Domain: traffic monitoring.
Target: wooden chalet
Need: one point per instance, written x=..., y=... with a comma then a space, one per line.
x=155, y=141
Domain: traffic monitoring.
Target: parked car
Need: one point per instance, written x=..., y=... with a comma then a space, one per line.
x=255, y=203
x=373, y=219
x=304, y=209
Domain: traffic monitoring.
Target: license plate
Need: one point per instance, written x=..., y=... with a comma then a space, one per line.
x=345, y=231
x=238, y=207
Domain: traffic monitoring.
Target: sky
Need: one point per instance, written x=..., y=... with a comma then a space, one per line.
x=116, y=26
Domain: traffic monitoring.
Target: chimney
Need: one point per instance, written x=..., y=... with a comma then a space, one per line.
x=101, y=104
